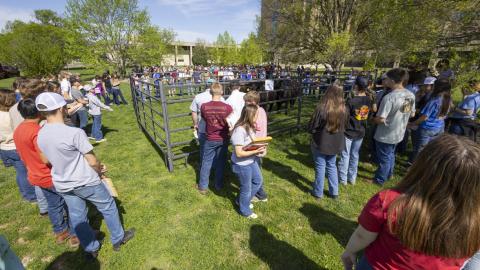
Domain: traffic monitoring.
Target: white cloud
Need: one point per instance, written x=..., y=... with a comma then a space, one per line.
x=10, y=14
x=202, y=7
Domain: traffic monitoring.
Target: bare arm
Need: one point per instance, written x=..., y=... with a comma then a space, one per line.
x=93, y=162
x=195, y=120
x=360, y=239
x=379, y=120
x=420, y=120
x=239, y=152
x=43, y=158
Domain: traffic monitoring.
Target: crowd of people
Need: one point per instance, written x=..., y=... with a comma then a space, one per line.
x=400, y=228
x=429, y=220
x=43, y=126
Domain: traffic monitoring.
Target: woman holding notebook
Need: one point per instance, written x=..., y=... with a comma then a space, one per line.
x=244, y=159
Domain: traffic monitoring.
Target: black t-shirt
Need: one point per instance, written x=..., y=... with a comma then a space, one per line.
x=359, y=108
x=326, y=142
x=108, y=83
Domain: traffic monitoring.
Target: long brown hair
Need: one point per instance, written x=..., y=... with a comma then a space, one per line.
x=438, y=213
x=442, y=88
x=247, y=118
x=332, y=108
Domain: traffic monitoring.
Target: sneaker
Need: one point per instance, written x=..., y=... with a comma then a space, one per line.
x=73, y=242
x=256, y=199
x=91, y=138
x=249, y=206
x=202, y=191
x=129, y=234
x=91, y=256
x=44, y=214
x=343, y=183
x=61, y=237
x=252, y=216
x=102, y=140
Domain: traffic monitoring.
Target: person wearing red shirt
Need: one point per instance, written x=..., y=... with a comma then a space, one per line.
x=430, y=219
x=25, y=138
x=215, y=114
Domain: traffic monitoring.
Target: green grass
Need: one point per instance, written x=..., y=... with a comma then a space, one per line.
x=177, y=228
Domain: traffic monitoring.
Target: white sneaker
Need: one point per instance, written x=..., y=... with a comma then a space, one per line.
x=102, y=140
x=249, y=206
x=255, y=199
x=252, y=216
x=91, y=138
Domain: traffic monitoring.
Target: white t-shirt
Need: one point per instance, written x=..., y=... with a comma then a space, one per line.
x=65, y=147
x=396, y=107
x=235, y=100
x=65, y=86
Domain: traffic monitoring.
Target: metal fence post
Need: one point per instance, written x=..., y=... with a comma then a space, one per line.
x=167, y=129
x=299, y=113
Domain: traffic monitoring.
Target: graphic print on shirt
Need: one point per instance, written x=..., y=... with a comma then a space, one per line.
x=407, y=106
x=362, y=113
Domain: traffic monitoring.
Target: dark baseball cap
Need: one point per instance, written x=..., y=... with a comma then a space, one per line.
x=361, y=82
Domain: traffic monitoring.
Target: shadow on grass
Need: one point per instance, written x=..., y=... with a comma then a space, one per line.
x=276, y=253
x=286, y=172
x=326, y=222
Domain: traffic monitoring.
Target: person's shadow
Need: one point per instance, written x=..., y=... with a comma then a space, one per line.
x=276, y=253
x=286, y=172
x=326, y=222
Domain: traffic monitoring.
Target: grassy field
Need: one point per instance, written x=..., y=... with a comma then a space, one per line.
x=177, y=228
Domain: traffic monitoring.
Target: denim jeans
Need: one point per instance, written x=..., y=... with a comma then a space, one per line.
x=325, y=163
x=215, y=153
x=97, y=127
x=202, y=138
x=11, y=158
x=261, y=194
x=56, y=210
x=422, y=138
x=386, y=161
x=77, y=211
x=106, y=96
x=117, y=93
x=363, y=264
x=250, y=178
x=41, y=200
x=82, y=118
x=348, y=163
x=473, y=263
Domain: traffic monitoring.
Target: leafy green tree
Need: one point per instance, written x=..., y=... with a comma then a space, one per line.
x=151, y=46
x=114, y=33
x=48, y=17
x=36, y=49
x=225, y=51
x=201, y=54
x=251, y=51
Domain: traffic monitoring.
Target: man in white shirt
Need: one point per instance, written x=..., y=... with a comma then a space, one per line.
x=236, y=101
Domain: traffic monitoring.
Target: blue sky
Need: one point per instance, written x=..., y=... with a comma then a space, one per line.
x=190, y=19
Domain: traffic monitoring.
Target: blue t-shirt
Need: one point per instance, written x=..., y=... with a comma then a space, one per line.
x=431, y=110
x=413, y=88
x=471, y=102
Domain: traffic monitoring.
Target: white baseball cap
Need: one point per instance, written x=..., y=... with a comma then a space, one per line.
x=48, y=101
x=429, y=80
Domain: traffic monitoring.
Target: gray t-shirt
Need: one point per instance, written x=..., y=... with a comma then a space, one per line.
x=64, y=147
x=396, y=107
x=76, y=95
x=242, y=138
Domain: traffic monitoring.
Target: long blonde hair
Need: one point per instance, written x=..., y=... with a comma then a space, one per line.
x=438, y=213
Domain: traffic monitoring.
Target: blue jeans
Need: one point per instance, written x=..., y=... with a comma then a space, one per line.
x=117, y=93
x=422, y=138
x=41, y=200
x=215, y=153
x=82, y=118
x=56, y=209
x=202, y=138
x=473, y=263
x=324, y=163
x=261, y=194
x=348, y=164
x=97, y=127
x=386, y=161
x=363, y=264
x=106, y=96
x=77, y=211
x=11, y=158
x=250, y=177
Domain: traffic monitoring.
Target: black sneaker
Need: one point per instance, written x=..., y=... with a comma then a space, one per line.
x=91, y=256
x=129, y=234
